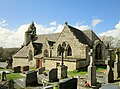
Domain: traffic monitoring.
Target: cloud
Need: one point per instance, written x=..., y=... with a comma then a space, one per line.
x=83, y=27
x=114, y=32
x=95, y=22
x=117, y=26
x=10, y=38
x=3, y=23
x=53, y=23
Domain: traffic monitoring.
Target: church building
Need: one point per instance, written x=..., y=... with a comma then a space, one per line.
x=70, y=47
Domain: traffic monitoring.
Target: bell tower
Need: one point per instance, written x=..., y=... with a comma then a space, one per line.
x=30, y=33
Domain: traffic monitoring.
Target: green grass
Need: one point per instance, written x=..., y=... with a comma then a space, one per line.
x=75, y=73
x=84, y=72
x=13, y=76
x=32, y=68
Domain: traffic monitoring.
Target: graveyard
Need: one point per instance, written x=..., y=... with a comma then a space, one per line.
x=97, y=77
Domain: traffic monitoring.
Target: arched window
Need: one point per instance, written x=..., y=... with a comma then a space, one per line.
x=69, y=50
x=98, y=52
x=30, y=57
x=59, y=50
x=46, y=53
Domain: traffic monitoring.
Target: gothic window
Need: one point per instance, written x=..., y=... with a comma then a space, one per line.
x=46, y=53
x=59, y=50
x=30, y=55
x=69, y=50
x=98, y=52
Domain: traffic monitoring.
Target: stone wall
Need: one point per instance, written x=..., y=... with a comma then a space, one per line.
x=23, y=62
x=49, y=64
x=68, y=37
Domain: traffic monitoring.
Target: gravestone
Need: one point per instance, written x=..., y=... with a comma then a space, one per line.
x=17, y=69
x=25, y=68
x=70, y=83
x=3, y=77
x=11, y=84
x=53, y=75
x=62, y=72
x=40, y=70
x=31, y=78
x=109, y=73
x=116, y=66
x=92, y=70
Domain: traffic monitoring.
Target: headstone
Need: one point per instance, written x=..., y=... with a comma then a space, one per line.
x=109, y=73
x=31, y=78
x=62, y=72
x=68, y=84
x=53, y=75
x=25, y=68
x=116, y=66
x=11, y=84
x=17, y=69
x=92, y=70
x=40, y=70
x=3, y=77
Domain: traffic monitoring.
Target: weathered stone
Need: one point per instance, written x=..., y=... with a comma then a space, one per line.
x=109, y=73
x=49, y=87
x=25, y=68
x=53, y=75
x=92, y=70
x=68, y=84
x=31, y=78
x=40, y=70
x=62, y=72
x=17, y=69
x=11, y=84
x=116, y=66
x=3, y=77
x=76, y=46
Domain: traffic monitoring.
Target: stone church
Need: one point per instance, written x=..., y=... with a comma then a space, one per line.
x=47, y=50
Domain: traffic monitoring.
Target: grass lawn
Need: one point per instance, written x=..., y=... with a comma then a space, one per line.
x=84, y=72
x=14, y=76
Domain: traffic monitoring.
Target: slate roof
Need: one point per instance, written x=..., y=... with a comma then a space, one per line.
x=80, y=36
x=22, y=52
x=50, y=37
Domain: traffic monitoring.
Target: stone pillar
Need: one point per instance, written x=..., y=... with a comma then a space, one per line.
x=116, y=65
x=62, y=72
x=92, y=70
x=109, y=73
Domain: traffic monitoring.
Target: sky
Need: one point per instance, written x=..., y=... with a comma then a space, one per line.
x=102, y=16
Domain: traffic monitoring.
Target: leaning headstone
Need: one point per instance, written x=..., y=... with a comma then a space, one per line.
x=31, y=78
x=109, y=73
x=62, y=72
x=41, y=70
x=17, y=69
x=68, y=84
x=53, y=75
x=3, y=77
x=92, y=70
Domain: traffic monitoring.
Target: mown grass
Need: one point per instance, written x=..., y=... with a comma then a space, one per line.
x=14, y=76
x=84, y=72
